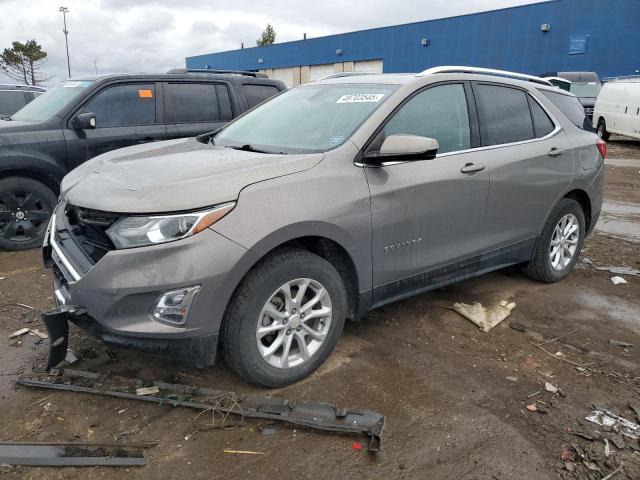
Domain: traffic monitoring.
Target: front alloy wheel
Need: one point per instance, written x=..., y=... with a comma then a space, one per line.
x=294, y=323
x=25, y=208
x=284, y=319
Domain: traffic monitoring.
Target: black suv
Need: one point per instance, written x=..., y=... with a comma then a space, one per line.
x=14, y=97
x=81, y=118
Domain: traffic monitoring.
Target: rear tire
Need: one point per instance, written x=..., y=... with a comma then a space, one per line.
x=558, y=246
x=276, y=296
x=25, y=208
x=602, y=130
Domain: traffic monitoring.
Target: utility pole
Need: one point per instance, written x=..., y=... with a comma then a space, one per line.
x=64, y=11
x=95, y=65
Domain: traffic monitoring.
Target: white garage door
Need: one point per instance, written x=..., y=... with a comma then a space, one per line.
x=316, y=72
x=285, y=75
x=368, y=66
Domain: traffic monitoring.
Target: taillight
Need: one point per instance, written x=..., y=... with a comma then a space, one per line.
x=601, y=145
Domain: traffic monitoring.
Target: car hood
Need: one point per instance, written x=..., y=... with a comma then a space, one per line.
x=172, y=176
x=9, y=126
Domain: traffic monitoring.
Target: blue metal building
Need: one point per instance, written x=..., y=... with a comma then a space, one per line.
x=556, y=35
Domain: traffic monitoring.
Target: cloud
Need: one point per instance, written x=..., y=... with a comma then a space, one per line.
x=156, y=35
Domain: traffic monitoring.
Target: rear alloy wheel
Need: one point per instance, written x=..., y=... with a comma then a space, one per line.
x=284, y=319
x=602, y=130
x=25, y=208
x=558, y=246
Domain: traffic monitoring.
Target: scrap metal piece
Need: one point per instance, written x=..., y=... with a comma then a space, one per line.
x=78, y=454
x=317, y=415
x=615, y=422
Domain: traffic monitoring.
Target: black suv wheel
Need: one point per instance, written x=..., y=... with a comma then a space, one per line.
x=25, y=208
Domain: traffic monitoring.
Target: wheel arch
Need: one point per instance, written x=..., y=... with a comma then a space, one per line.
x=327, y=245
x=35, y=168
x=584, y=201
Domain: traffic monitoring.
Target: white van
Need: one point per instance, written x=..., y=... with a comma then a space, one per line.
x=617, y=108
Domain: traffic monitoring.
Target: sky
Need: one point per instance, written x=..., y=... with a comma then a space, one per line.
x=118, y=36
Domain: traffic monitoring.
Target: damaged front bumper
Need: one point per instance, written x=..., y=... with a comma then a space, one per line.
x=118, y=292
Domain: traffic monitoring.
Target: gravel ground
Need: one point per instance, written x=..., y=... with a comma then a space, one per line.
x=451, y=410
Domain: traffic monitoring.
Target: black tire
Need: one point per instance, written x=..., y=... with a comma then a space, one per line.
x=25, y=208
x=602, y=130
x=540, y=266
x=238, y=336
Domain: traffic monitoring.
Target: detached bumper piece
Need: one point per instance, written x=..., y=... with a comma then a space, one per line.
x=317, y=415
x=56, y=322
x=76, y=454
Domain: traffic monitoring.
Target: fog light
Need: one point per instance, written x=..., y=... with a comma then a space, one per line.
x=173, y=307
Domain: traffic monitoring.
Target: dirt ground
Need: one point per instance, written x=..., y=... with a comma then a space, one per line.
x=455, y=398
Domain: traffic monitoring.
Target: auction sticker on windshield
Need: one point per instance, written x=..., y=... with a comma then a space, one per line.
x=361, y=98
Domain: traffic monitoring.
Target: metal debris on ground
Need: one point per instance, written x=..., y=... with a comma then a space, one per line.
x=242, y=452
x=550, y=388
x=317, y=415
x=61, y=454
x=70, y=358
x=620, y=270
x=619, y=343
x=147, y=390
x=485, y=318
x=518, y=326
x=618, y=280
x=616, y=423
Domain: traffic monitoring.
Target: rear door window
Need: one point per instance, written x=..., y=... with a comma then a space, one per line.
x=439, y=112
x=503, y=114
x=191, y=102
x=256, y=94
x=542, y=124
x=571, y=107
x=124, y=106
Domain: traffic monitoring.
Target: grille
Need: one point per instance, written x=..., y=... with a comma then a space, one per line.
x=89, y=230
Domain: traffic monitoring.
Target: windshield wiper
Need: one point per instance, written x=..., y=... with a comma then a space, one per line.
x=248, y=148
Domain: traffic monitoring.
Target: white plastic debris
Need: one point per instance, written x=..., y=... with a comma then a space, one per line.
x=618, y=280
x=550, y=388
x=615, y=423
x=485, y=318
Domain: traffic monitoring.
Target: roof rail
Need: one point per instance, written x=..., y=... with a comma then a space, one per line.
x=345, y=74
x=219, y=72
x=621, y=77
x=485, y=71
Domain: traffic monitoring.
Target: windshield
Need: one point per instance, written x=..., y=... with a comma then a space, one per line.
x=308, y=119
x=585, y=89
x=50, y=102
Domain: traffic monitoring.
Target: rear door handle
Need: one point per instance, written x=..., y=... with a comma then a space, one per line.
x=473, y=167
x=556, y=152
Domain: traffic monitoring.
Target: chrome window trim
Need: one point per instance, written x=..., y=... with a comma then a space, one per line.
x=74, y=273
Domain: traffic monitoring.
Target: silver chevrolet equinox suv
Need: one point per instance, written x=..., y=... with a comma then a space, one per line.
x=320, y=204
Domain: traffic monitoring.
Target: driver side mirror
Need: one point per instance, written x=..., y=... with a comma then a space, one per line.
x=406, y=148
x=84, y=121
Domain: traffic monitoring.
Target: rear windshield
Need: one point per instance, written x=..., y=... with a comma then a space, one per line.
x=585, y=89
x=571, y=107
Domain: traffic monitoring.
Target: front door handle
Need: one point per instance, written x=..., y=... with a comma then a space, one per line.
x=473, y=167
x=556, y=152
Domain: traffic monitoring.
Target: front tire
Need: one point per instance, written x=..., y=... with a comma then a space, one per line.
x=25, y=208
x=558, y=246
x=285, y=318
x=602, y=130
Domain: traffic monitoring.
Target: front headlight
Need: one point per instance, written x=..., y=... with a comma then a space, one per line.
x=139, y=231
